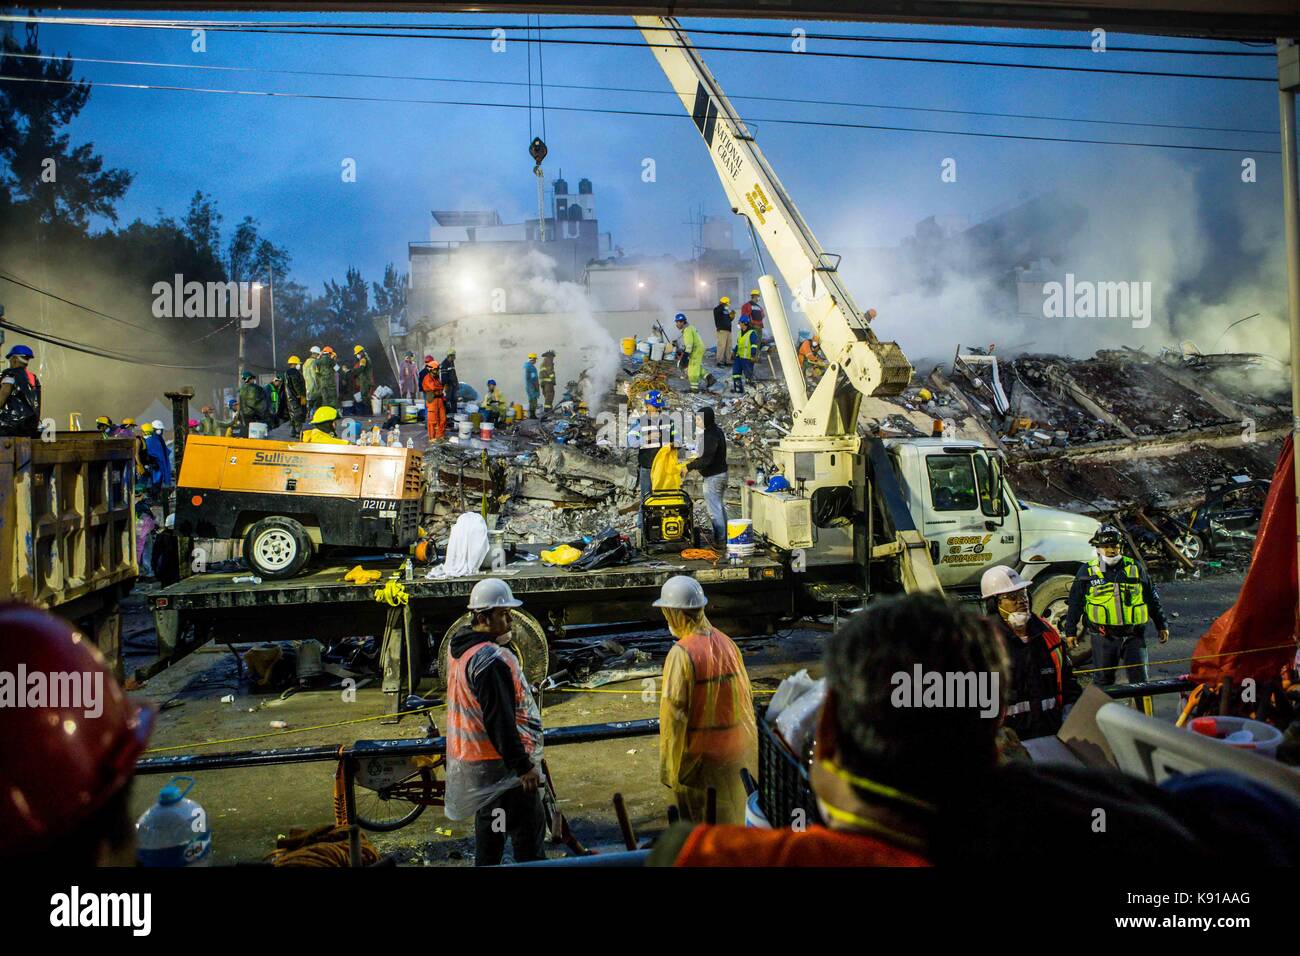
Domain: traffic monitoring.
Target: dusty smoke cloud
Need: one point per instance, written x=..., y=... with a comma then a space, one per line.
x=1210, y=247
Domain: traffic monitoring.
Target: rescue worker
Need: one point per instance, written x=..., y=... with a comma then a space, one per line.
x=1113, y=598
x=321, y=431
x=743, y=366
x=450, y=382
x=532, y=384
x=67, y=778
x=277, y=403
x=722, y=317
x=435, y=410
x=693, y=346
x=756, y=317
x=295, y=388
x=408, y=376
x=494, y=733
x=20, y=396
x=547, y=379
x=363, y=376
x=253, y=406
x=707, y=731
x=810, y=355
x=494, y=403
x=711, y=463
x=310, y=377
x=1041, y=684
x=327, y=378
x=104, y=425
x=156, y=445
x=650, y=437
x=207, y=421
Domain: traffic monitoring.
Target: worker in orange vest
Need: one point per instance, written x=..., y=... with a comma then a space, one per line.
x=494, y=733
x=707, y=731
x=434, y=399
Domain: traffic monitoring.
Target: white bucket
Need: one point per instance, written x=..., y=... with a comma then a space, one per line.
x=656, y=351
x=257, y=429
x=486, y=430
x=1264, y=738
x=740, y=531
x=464, y=428
x=754, y=816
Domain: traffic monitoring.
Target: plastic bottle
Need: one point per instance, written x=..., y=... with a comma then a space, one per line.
x=410, y=443
x=174, y=831
x=246, y=579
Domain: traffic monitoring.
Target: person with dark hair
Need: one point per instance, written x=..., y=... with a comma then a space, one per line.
x=711, y=463
x=1041, y=683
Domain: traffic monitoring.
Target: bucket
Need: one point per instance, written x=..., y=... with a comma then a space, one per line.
x=486, y=430
x=519, y=412
x=409, y=413
x=257, y=429
x=656, y=351
x=471, y=408
x=629, y=345
x=754, y=816
x=1263, y=738
x=464, y=429
x=643, y=348
x=740, y=531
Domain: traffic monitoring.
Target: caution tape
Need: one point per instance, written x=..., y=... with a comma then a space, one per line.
x=1184, y=660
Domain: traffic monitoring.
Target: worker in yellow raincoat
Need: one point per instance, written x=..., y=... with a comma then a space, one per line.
x=693, y=345
x=707, y=731
x=321, y=429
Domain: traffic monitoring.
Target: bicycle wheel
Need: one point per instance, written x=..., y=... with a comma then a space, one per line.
x=383, y=811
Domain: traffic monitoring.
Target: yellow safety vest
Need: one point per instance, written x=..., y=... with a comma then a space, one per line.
x=1119, y=602
x=745, y=344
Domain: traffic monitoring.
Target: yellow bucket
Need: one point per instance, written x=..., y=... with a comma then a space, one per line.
x=629, y=346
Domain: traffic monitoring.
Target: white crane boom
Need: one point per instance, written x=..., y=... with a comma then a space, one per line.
x=859, y=361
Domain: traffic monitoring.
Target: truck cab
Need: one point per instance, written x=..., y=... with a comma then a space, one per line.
x=972, y=519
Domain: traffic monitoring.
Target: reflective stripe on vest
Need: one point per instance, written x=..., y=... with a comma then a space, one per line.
x=1118, y=602
x=713, y=726
x=467, y=737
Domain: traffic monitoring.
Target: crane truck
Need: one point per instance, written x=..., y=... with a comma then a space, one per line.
x=862, y=516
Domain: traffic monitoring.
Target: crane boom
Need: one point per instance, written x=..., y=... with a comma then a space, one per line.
x=858, y=359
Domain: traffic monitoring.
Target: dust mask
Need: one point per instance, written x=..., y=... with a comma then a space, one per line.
x=1018, y=619
x=1109, y=560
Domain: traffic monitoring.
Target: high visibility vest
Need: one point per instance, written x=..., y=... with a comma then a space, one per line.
x=476, y=773
x=1055, y=651
x=745, y=347
x=816, y=846
x=1119, y=602
x=720, y=696
x=467, y=737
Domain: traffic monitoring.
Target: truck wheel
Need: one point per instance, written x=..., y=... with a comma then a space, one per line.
x=277, y=547
x=528, y=642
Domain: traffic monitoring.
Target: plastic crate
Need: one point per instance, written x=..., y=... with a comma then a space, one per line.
x=783, y=784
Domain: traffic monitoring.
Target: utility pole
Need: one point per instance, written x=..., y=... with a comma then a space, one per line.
x=270, y=278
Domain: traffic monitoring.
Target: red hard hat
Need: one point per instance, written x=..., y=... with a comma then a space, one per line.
x=428, y=359
x=66, y=746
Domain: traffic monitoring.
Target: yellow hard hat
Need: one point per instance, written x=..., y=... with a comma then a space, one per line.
x=754, y=292
x=103, y=420
x=147, y=428
x=725, y=300
x=326, y=413
x=532, y=355
x=128, y=421
x=294, y=360
x=357, y=350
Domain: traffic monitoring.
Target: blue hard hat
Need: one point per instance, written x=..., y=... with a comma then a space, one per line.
x=679, y=317
x=778, y=483
x=655, y=398
x=21, y=350
x=492, y=381
x=230, y=403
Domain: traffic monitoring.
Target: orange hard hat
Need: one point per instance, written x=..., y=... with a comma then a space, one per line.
x=62, y=755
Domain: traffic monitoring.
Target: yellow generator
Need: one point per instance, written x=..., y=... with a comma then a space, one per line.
x=286, y=500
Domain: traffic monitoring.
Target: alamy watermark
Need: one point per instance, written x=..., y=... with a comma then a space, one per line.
x=1084, y=299
x=60, y=690
x=651, y=430
x=948, y=689
x=179, y=299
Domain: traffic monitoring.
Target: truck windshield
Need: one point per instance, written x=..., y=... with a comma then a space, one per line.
x=954, y=485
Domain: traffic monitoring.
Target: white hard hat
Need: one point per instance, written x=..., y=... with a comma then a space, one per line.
x=682, y=591
x=1001, y=580
x=490, y=593
x=157, y=424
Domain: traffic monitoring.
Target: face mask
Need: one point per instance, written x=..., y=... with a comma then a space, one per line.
x=1109, y=560
x=1018, y=619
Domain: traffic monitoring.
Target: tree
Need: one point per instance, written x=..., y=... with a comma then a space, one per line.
x=243, y=247
x=390, y=296
x=59, y=183
x=203, y=224
x=348, y=304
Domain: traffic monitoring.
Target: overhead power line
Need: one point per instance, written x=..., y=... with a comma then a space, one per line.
x=827, y=124
x=103, y=353
x=642, y=91
x=1085, y=47
x=894, y=58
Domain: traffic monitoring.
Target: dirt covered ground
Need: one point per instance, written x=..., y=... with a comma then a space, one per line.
x=248, y=808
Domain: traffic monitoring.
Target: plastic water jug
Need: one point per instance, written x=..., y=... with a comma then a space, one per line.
x=174, y=831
